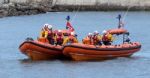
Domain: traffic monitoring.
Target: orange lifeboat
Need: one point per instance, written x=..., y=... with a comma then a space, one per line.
x=82, y=52
x=117, y=31
x=36, y=50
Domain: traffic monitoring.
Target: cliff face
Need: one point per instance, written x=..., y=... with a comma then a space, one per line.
x=105, y=5
x=101, y=2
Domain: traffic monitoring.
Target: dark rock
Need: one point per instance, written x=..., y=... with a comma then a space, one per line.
x=3, y=13
x=30, y=8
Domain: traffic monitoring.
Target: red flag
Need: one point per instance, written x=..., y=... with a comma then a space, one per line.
x=69, y=26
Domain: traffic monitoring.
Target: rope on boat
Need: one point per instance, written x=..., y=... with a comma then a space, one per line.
x=126, y=13
x=76, y=12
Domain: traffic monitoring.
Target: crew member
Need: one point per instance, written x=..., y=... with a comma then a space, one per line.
x=107, y=38
x=50, y=36
x=44, y=34
x=97, y=38
x=59, y=38
x=88, y=40
x=70, y=39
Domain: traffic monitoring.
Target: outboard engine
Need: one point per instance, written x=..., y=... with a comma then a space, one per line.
x=126, y=37
x=29, y=39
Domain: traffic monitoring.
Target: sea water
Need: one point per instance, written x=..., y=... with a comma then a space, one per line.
x=14, y=30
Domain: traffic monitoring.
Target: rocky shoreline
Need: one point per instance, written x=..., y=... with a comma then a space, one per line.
x=17, y=9
x=32, y=8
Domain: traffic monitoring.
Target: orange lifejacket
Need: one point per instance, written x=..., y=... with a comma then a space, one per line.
x=42, y=39
x=88, y=41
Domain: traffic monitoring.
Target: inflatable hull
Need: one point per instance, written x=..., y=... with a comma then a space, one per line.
x=40, y=51
x=117, y=31
x=81, y=52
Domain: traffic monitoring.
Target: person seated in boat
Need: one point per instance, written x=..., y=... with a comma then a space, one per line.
x=50, y=35
x=107, y=38
x=44, y=34
x=59, y=38
x=127, y=38
x=72, y=38
x=44, y=31
x=88, y=40
x=97, y=38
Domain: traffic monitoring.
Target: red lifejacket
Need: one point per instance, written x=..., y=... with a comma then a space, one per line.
x=50, y=34
x=95, y=38
x=105, y=38
x=59, y=38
